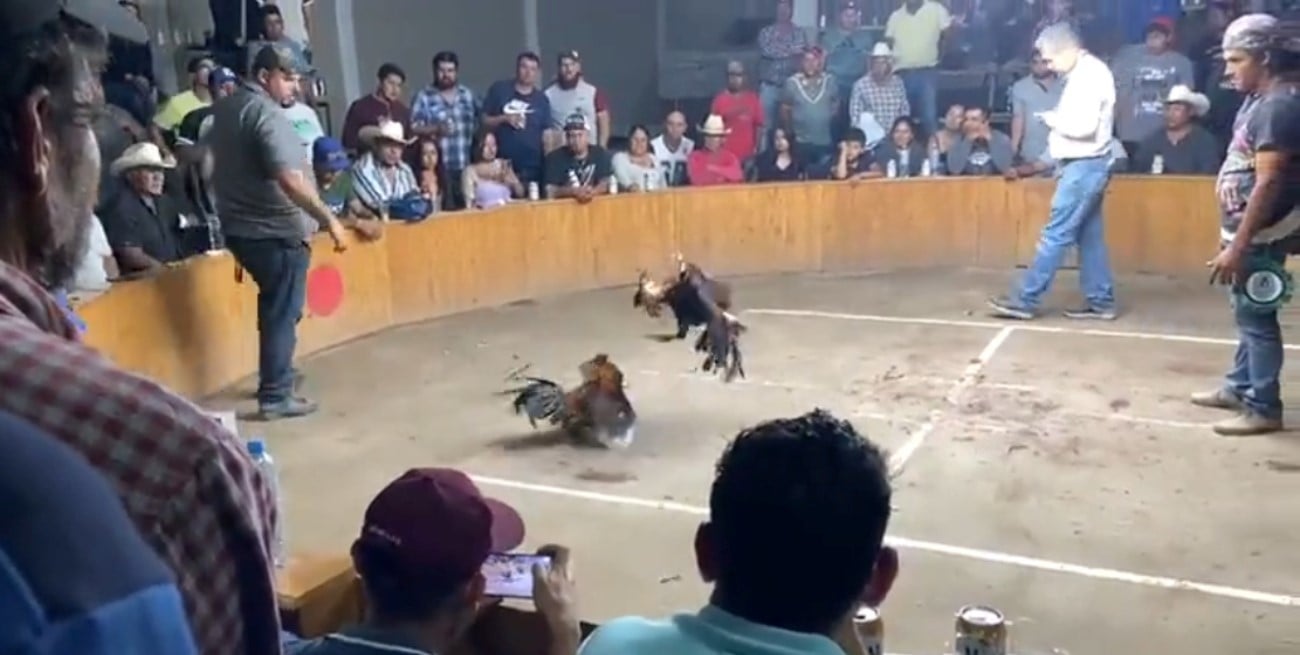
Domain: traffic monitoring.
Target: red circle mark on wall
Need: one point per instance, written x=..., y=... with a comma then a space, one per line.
x=324, y=290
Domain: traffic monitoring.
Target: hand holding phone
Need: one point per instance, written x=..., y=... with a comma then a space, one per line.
x=510, y=575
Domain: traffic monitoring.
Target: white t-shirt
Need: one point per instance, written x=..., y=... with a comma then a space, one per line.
x=306, y=123
x=90, y=275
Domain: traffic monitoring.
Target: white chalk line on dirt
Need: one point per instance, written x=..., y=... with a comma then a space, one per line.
x=993, y=325
x=995, y=557
x=969, y=377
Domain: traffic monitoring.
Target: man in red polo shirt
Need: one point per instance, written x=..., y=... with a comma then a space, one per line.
x=741, y=112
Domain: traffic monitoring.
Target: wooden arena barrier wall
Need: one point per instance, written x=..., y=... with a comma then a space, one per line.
x=194, y=328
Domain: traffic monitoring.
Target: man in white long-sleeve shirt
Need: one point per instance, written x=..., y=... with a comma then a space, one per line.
x=1080, y=142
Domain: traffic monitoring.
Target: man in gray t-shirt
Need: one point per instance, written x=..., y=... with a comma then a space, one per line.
x=269, y=211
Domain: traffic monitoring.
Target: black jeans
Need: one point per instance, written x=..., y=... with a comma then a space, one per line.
x=279, y=267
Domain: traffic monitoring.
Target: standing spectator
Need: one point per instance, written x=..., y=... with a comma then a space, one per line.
x=448, y=111
x=780, y=161
x=741, y=112
x=793, y=546
x=1184, y=147
x=713, y=164
x=129, y=79
x=273, y=33
x=1144, y=75
x=269, y=211
x=518, y=113
x=847, y=45
x=578, y=169
x=637, y=169
x=304, y=119
x=1225, y=100
x=187, y=483
x=915, y=31
x=781, y=45
x=570, y=94
x=384, y=104
x=144, y=224
x=179, y=106
x=982, y=150
x=380, y=177
x=808, y=107
x=673, y=148
x=1033, y=94
x=880, y=92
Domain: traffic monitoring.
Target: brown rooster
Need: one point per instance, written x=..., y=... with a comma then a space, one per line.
x=597, y=410
x=697, y=299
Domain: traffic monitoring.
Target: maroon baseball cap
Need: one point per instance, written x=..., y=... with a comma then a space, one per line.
x=436, y=525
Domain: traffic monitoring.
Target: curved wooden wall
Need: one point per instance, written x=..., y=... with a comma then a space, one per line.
x=194, y=328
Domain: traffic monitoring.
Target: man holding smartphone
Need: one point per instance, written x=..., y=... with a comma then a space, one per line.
x=424, y=541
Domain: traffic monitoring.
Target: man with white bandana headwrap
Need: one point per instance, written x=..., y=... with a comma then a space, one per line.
x=1258, y=190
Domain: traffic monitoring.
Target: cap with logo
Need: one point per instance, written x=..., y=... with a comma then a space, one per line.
x=24, y=17
x=327, y=153
x=576, y=122
x=222, y=75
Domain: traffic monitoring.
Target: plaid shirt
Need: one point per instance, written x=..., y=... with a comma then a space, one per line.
x=187, y=484
x=781, y=48
x=429, y=107
x=886, y=101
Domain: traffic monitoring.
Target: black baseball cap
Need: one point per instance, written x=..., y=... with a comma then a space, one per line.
x=273, y=58
x=23, y=17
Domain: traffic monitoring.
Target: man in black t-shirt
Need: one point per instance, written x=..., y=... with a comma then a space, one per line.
x=579, y=170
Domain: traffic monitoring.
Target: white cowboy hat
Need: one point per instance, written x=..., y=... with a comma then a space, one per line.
x=882, y=49
x=1199, y=103
x=714, y=126
x=140, y=155
x=385, y=131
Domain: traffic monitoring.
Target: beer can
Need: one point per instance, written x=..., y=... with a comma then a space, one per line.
x=871, y=630
x=981, y=630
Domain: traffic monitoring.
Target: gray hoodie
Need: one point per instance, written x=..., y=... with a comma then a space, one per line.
x=999, y=153
x=1142, y=82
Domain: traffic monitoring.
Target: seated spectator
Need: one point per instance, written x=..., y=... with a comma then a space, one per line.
x=303, y=118
x=128, y=79
x=384, y=104
x=424, y=540
x=949, y=133
x=329, y=161
x=77, y=577
x=144, y=224
x=96, y=267
x=489, y=181
x=429, y=173
x=1184, y=147
x=712, y=164
x=779, y=161
x=177, y=107
x=880, y=92
x=673, y=148
x=578, y=170
x=982, y=150
x=637, y=169
x=854, y=161
x=902, y=148
x=793, y=547
x=741, y=112
x=380, y=177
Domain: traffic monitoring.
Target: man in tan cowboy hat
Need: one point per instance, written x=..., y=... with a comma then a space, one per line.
x=1183, y=147
x=380, y=176
x=880, y=92
x=711, y=164
x=143, y=224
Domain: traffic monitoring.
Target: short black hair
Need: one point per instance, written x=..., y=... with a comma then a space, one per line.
x=389, y=68
x=984, y=112
x=392, y=594
x=855, y=135
x=196, y=63
x=798, y=512
x=448, y=57
x=529, y=55
x=271, y=10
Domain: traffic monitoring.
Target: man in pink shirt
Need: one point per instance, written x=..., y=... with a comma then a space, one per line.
x=741, y=112
x=713, y=164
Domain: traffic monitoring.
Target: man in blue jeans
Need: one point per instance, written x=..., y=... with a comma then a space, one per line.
x=1079, y=141
x=269, y=211
x=1259, y=201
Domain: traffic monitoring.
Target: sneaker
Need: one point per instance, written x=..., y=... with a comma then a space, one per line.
x=287, y=408
x=1247, y=424
x=1004, y=308
x=298, y=378
x=1091, y=314
x=1217, y=399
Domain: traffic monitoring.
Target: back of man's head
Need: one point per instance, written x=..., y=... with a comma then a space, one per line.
x=798, y=515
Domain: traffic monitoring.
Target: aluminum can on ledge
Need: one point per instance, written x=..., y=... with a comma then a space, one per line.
x=981, y=630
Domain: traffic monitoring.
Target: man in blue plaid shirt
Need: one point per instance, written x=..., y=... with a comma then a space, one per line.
x=449, y=111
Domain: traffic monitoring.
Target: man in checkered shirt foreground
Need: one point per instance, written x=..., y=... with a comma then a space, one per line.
x=186, y=484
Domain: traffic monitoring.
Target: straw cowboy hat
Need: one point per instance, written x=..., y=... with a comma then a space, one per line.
x=714, y=126
x=882, y=49
x=385, y=131
x=141, y=155
x=1199, y=103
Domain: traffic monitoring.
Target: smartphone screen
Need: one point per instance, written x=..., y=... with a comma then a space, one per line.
x=510, y=575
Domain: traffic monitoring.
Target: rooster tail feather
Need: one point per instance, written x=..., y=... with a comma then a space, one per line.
x=540, y=399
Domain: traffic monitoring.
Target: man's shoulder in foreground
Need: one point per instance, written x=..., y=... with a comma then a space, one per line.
x=707, y=632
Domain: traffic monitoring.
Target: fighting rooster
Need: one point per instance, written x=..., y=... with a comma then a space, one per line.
x=597, y=410
x=697, y=299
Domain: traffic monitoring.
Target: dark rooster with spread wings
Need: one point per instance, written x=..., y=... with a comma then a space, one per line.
x=697, y=299
x=597, y=410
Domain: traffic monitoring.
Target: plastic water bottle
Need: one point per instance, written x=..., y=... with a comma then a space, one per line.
x=892, y=169
x=1158, y=165
x=265, y=464
x=613, y=186
x=534, y=192
x=926, y=170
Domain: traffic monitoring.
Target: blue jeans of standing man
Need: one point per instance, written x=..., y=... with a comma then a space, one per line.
x=922, y=86
x=1075, y=219
x=279, y=267
x=1257, y=367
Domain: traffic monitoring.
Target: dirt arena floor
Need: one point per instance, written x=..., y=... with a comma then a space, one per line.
x=1051, y=469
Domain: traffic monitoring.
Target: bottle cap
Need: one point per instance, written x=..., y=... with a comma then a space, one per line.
x=256, y=447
